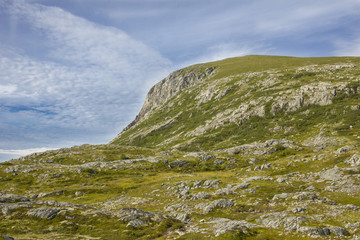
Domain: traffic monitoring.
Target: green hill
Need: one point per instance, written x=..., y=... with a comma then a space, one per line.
x=254, y=147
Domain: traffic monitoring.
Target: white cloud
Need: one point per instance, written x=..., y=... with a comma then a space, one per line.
x=121, y=14
x=248, y=22
x=23, y=152
x=226, y=50
x=88, y=77
x=7, y=89
x=348, y=47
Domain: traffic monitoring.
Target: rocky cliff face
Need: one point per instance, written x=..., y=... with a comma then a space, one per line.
x=169, y=87
x=193, y=111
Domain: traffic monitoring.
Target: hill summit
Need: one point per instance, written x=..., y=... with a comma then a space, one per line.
x=254, y=147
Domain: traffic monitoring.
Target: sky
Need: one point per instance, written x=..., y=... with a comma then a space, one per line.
x=77, y=71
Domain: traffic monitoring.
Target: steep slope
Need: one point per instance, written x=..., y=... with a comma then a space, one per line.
x=256, y=147
x=249, y=99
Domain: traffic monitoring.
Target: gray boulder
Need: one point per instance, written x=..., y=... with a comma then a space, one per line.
x=224, y=191
x=280, y=196
x=223, y=225
x=200, y=196
x=43, y=213
x=338, y=231
x=6, y=238
x=45, y=194
x=344, y=149
x=183, y=217
x=10, y=197
x=220, y=203
x=135, y=223
x=211, y=183
x=243, y=185
x=197, y=184
x=282, y=219
x=354, y=160
x=178, y=163
x=314, y=231
x=129, y=214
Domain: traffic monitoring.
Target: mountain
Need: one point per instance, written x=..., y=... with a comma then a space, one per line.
x=254, y=147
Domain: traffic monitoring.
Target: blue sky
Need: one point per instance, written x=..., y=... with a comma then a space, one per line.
x=77, y=71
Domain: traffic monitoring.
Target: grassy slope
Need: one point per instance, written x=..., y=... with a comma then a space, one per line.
x=185, y=106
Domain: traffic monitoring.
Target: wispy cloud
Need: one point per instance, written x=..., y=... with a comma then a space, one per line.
x=283, y=25
x=88, y=77
x=226, y=50
x=348, y=47
x=23, y=152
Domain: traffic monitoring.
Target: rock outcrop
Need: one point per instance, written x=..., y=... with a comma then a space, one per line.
x=176, y=82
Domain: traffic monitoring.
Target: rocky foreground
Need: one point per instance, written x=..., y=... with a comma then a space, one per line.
x=252, y=198
x=228, y=154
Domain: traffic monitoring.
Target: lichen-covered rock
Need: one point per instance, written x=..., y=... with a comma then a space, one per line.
x=220, y=203
x=129, y=214
x=280, y=196
x=135, y=223
x=56, y=193
x=243, y=185
x=282, y=220
x=178, y=163
x=343, y=149
x=211, y=183
x=314, y=230
x=333, y=174
x=200, y=196
x=169, y=87
x=10, y=197
x=19, y=168
x=354, y=160
x=7, y=208
x=6, y=238
x=337, y=231
x=43, y=213
x=224, y=225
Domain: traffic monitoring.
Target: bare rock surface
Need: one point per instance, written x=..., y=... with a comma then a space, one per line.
x=43, y=213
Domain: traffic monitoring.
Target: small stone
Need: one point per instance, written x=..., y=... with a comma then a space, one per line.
x=218, y=162
x=178, y=163
x=136, y=223
x=6, y=238
x=314, y=231
x=253, y=160
x=211, y=183
x=343, y=149
x=200, y=196
x=354, y=160
x=197, y=184
x=281, y=180
x=338, y=231
x=10, y=197
x=280, y=196
x=298, y=210
x=243, y=185
x=222, y=203
x=183, y=217
x=79, y=193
